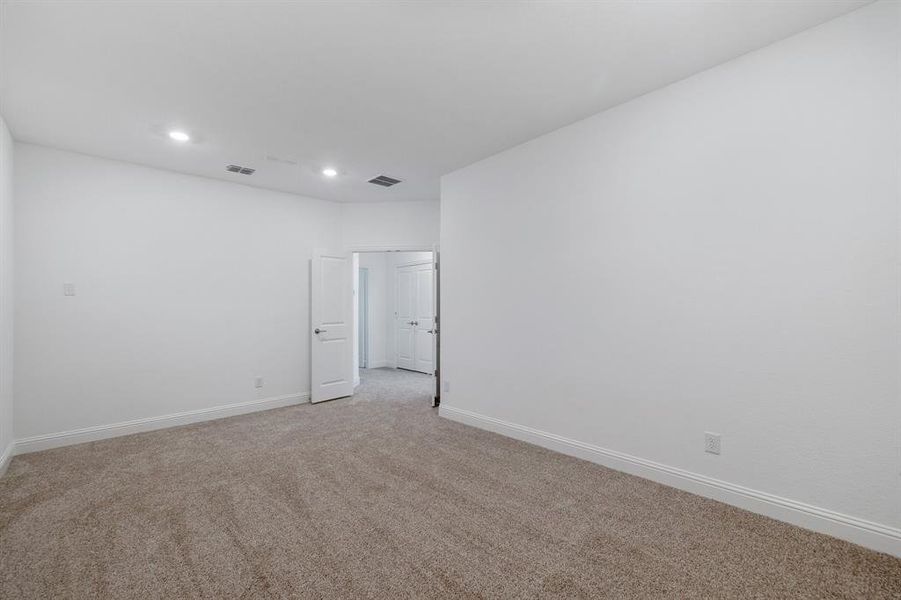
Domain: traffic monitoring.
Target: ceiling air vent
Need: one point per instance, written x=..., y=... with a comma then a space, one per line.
x=240, y=169
x=384, y=180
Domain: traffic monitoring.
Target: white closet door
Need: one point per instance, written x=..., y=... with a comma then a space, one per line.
x=415, y=323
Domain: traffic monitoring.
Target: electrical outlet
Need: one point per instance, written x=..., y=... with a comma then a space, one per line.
x=68, y=289
x=446, y=386
x=712, y=442
x=258, y=382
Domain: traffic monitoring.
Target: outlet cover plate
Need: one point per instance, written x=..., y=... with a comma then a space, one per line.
x=712, y=443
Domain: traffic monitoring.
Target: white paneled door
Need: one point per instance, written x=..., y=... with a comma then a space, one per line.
x=331, y=326
x=415, y=322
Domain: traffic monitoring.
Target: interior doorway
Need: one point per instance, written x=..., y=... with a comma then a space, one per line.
x=396, y=325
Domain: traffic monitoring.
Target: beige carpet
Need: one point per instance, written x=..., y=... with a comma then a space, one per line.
x=377, y=497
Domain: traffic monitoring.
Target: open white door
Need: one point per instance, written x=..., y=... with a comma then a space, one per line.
x=331, y=326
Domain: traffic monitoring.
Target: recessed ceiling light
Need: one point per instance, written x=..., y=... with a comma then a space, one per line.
x=329, y=172
x=179, y=136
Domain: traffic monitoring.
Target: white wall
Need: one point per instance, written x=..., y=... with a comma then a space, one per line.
x=187, y=288
x=390, y=225
x=6, y=295
x=719, y=255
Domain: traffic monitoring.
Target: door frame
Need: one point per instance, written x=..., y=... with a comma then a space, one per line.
x=358, y=248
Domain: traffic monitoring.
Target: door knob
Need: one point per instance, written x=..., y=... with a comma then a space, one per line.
x=411, y=322
x=319, y=330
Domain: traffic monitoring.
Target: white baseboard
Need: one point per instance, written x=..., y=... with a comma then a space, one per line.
x=5, y=457
x=876, y=536
x=102, y=432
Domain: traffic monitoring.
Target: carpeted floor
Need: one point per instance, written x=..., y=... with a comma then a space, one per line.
x=377, y=497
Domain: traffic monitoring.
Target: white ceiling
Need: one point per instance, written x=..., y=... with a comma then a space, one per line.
x=409, y=89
